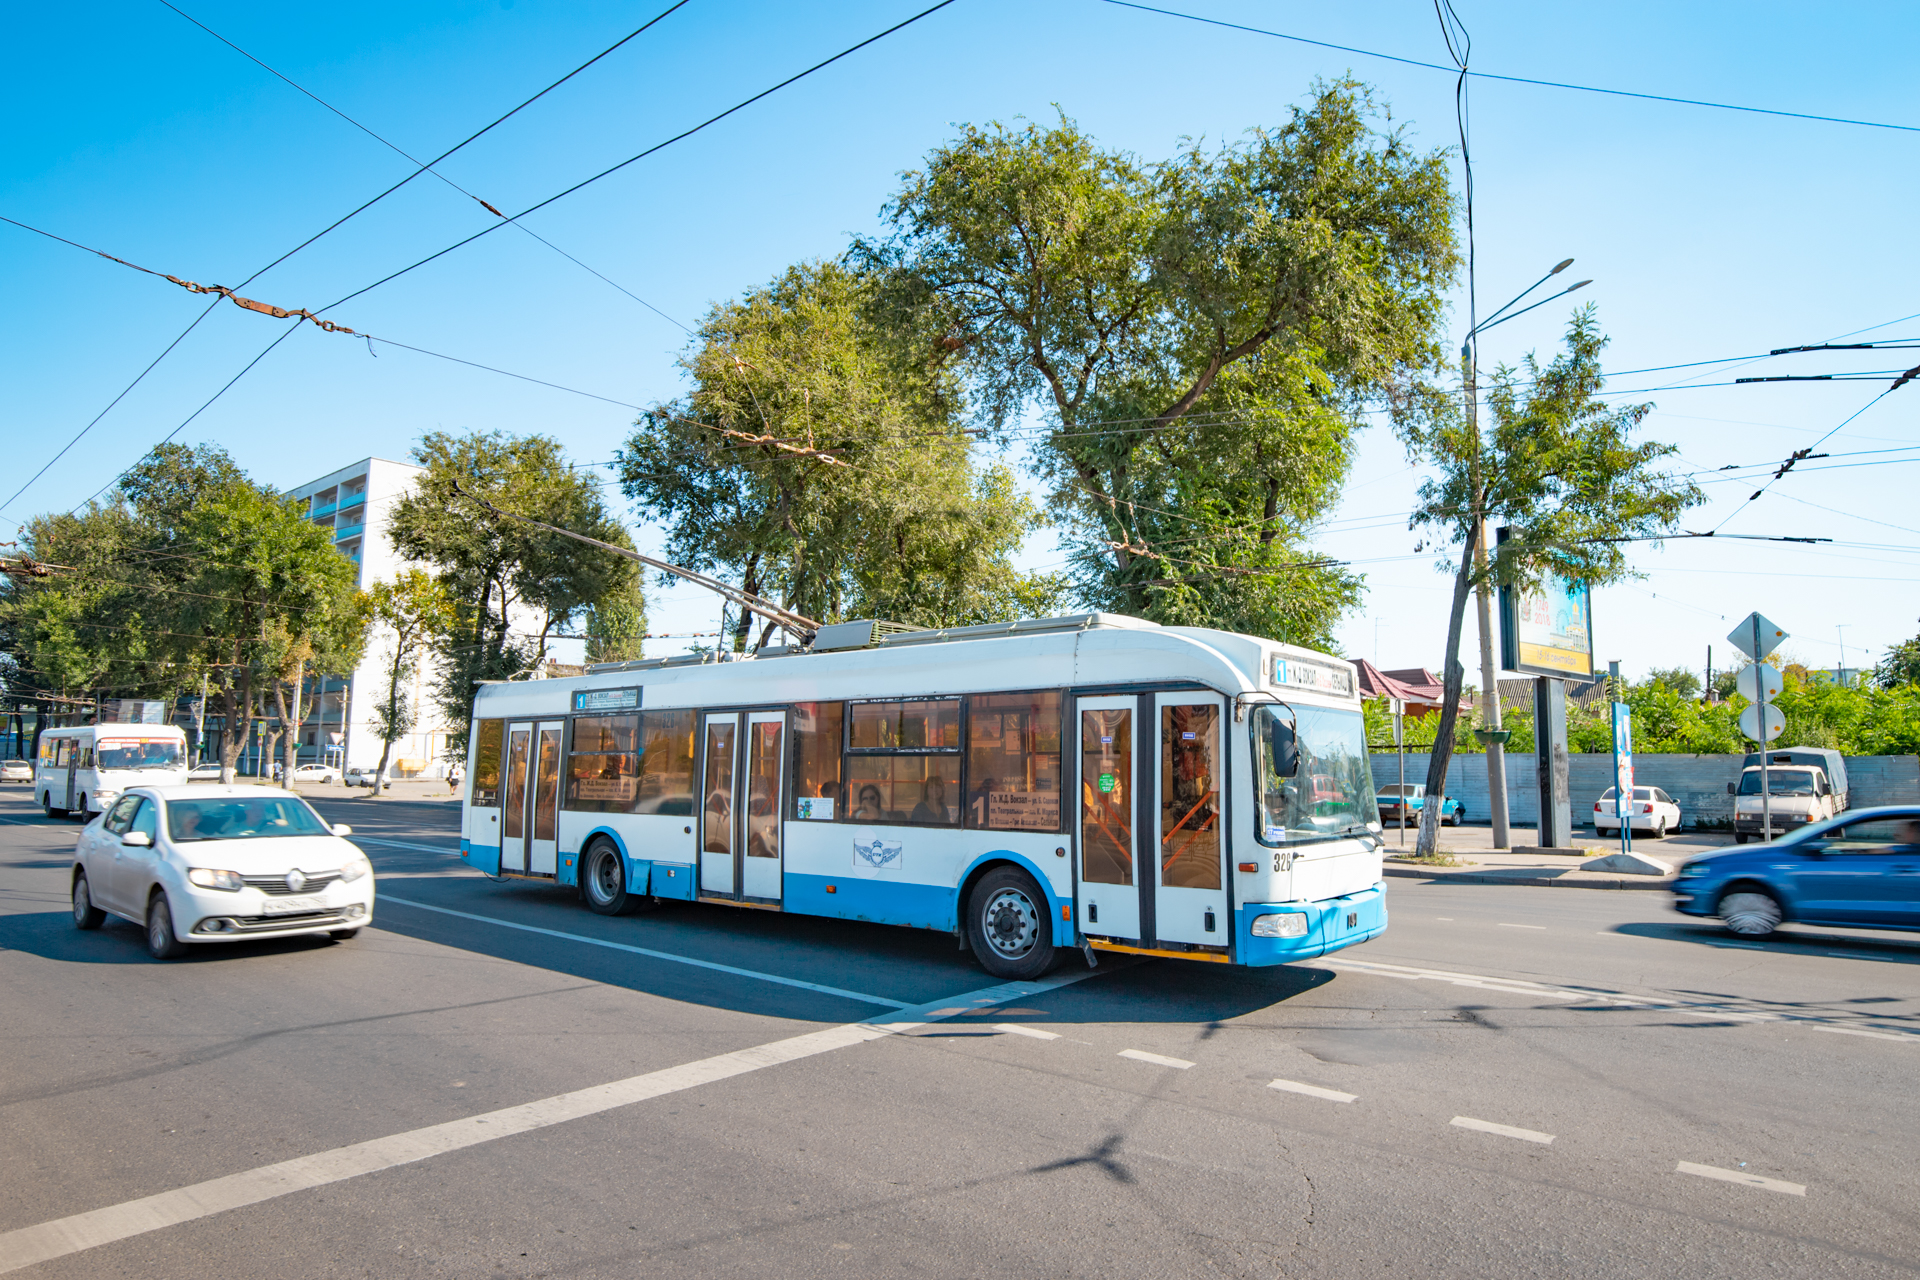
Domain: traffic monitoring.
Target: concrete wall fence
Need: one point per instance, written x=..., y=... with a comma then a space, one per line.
x=1697, y=783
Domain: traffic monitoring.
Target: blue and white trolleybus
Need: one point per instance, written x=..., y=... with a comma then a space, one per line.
x=1096, y=782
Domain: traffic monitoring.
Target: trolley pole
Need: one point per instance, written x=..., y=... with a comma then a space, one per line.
x=1766, y=781
x=1483, y=613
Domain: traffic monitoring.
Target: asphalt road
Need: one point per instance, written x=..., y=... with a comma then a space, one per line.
x=493, y=1082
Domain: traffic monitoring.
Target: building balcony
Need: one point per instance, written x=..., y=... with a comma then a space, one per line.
x=321, y=509
x=345, y=531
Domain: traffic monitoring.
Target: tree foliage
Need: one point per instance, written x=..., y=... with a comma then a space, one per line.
x=819, y=461
x=1901, y=666
x=1198, y=336
x=409, y=613
x=512, y=584
x=1559, y=468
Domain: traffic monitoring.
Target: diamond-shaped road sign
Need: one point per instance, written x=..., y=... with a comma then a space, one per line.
x=1750, y=723
x=1753, y=679
x=1741, y=637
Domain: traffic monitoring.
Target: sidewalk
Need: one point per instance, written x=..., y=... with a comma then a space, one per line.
x=1483, y=864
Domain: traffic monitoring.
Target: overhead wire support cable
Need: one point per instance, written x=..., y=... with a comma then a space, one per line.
x=1545, y=84
x=337, y=223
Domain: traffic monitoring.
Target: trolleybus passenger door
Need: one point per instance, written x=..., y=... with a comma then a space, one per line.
x=757, y=798
x=73, y=769
x=1190, y=898
x=543, y=802
x=1109, y=899
x=717, y=808
x=513, y=804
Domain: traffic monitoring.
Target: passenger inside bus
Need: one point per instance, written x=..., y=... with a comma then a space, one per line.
x=933, y=802
x=869, y=810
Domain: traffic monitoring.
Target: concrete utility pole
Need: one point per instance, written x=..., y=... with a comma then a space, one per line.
x=1483, y=606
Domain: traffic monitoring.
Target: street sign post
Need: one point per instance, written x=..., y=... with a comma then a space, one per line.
x=1757, y=636
x=1400, y=745
x=1623, y=772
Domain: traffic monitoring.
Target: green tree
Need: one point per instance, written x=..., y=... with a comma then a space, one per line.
x=617, y=626
x=409, y=612
x=1901, y=666
x=1199, y=336
x=818, y=460
x=1679, y=679
x=1558, y=466
x=511, y=584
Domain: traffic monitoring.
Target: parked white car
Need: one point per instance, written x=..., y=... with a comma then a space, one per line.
x=194, y=864
x=1650, y=809
x=16, y=771
x=361, y=775
x=316, y=773
x=203, y=771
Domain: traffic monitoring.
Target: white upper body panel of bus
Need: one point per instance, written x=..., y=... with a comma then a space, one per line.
x=1091, y=651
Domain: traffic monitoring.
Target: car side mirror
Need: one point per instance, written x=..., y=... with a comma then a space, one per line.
x=137, y=840
x=1731, y=789
x=342, y=829
x=1286, y=750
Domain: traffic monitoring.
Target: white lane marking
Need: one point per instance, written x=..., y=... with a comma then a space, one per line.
x=402, y=844
x=30, y=1245
x=651, y=954
x=1313, y=1090
x=1448, y=919
x=1877, y=1035
x=1523, y=926
x=1140, y=1055
x=1744, y=1179
x=1015, y=1028
x=1503, y=1130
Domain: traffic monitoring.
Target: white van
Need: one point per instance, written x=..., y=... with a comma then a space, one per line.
x=1796, y=796
x=82, y=771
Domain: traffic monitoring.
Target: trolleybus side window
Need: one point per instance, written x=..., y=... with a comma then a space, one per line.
x=817, y=736
x=603, y=764
x=903, y=762
x=486, y=765
x=1013, y=761
x=666, y=763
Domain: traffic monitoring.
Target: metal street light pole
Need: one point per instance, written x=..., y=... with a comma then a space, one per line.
x=1483, y=594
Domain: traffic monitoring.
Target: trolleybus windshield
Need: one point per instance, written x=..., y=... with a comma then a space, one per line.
x=1329, y=793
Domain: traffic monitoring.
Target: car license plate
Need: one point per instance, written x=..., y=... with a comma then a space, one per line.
x=291, y=906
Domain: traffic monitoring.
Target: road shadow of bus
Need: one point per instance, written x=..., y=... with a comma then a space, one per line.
x=1794, y=939
x=894, y=964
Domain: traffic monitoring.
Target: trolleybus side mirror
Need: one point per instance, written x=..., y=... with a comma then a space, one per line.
x=1286, y=749
x=1730, y=789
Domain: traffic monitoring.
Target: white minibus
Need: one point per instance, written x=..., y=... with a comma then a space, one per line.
x=81, y=771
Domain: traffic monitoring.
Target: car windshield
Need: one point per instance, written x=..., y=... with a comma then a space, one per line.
x=1330, y=794
x=1781, y=782
x=140, y=753
x=1395, y=789
x=242, y=819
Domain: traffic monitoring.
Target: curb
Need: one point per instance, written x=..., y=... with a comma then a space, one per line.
x=1548, y=882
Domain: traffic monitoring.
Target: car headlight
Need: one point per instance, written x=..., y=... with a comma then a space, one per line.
x=1693, y=869
x=355, y=867
x=1285, y=924
x=208, y=878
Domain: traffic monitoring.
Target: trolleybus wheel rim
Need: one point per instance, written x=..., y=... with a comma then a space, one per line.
x=1012, y=923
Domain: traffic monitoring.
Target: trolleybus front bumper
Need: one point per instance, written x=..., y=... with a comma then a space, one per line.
x=1276, y=932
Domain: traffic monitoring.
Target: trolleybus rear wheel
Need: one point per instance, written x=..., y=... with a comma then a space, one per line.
x=603, y=880
x=1010, y=925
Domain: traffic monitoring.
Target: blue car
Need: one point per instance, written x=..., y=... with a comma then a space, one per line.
x=1452, y=812
x=1860, y=870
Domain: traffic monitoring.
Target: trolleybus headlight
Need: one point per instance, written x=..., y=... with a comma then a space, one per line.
x=354, y=869
x=208, y=878
x=1285, y=924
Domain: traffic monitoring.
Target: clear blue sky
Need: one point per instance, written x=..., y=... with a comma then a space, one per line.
x=1708, y=234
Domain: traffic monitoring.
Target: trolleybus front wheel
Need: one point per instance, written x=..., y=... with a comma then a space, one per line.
x=1009, y=925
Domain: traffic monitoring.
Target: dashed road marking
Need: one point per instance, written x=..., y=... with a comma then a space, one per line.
x=29, y=1245
x=1744, y=1179
x=1875, y=1035
x=1014, y=1028
x=1523, y=926
x=1140, y=1055
x=1312, y=1091
x=1503, y=1130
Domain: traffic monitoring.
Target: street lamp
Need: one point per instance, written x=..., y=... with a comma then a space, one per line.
x=1491, y=735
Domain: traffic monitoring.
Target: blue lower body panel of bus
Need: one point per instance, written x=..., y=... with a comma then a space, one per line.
x=481, y=857
x=1331, y=924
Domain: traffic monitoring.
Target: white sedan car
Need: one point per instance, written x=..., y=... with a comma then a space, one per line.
x=16, y=771
x=1650, y=809
x=316, y=773
x=199, y=864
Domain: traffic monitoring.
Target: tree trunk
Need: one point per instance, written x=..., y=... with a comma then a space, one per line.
x=1442, y=752
x=392, y=718
x=292, y=723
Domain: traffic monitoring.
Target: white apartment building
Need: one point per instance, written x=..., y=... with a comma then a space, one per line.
x=338, y=724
